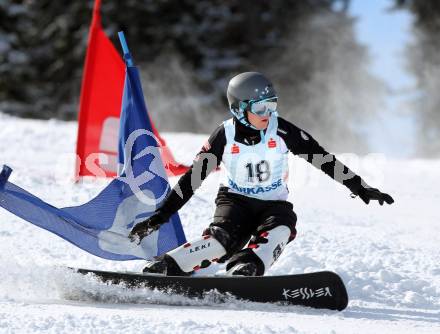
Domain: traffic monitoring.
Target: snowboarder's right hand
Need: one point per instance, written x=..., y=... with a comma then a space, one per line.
x=146, y=227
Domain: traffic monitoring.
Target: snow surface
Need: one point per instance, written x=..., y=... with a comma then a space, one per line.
x=388, y=256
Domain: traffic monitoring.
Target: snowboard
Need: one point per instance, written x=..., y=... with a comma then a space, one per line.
x=323, y=289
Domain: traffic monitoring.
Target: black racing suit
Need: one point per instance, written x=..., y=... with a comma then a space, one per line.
x=238, y=217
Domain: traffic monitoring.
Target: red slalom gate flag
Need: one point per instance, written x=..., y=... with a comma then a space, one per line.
x=100, y=107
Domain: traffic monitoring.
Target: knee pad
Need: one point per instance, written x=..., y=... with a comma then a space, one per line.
x=198, y=253
x=269, y=245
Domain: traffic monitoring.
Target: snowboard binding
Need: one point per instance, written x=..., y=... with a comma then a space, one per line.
x=164, y=265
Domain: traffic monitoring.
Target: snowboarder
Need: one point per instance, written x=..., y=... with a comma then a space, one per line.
x=253, y=221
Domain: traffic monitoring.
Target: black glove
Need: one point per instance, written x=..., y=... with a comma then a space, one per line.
x=146, y=227
x=367, y=194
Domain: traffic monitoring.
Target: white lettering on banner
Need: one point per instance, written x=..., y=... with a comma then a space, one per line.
x=108, y=141
x=155, y=169
x=306, y=293
x=108, y=144
x=129, y=213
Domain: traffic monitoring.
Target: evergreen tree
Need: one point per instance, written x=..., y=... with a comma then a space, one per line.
x=44, y=62
x=189, y=50
x=424, y=62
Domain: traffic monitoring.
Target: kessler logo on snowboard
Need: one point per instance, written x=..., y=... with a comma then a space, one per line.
x=306, y=293
x=319, y=290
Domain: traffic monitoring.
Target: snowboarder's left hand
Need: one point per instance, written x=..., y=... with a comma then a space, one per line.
x=367, y=194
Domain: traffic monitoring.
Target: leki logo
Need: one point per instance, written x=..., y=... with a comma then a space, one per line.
x=306, y=293
x=235, y=149
x=199, y=248
x=272, y=143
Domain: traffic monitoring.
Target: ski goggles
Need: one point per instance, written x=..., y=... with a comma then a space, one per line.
x=263, y=107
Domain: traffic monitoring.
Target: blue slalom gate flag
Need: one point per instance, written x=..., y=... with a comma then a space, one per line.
x=101, y=226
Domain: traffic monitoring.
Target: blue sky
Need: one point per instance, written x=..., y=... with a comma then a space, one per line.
x=386, y=33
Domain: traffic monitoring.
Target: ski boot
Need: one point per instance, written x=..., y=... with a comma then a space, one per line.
x=185, y=259
x=262, y=251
